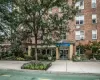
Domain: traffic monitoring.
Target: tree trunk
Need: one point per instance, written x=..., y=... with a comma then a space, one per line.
x=36, y=47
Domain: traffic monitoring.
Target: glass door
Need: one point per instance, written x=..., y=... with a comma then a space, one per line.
x=63, y=54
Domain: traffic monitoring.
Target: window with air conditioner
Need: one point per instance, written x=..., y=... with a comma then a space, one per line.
x=94, y=18
x=79, y=35
x=93, y=3
x=94, y=34
x=80, y=4
x=79, y=20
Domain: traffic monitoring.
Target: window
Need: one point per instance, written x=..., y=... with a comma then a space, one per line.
x=94, y=18
x=79, y=35
x=93, y=3
x=80, y=20
x=80, y=4
x=94, y=34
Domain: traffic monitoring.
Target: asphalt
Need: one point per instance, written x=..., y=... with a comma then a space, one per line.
x=58, y=66
x=25, y=75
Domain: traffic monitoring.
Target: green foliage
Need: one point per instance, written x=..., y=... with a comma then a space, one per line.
x=20, y=59
x=10, y=58
x=16, y=49
x=33, y=16
x=6, y=55
x=92, y=50
x=97, y=56
x=36, y=65
x=45, y=57
x=95, y=47
x=27, y=57
x=82, y=48
x=80, y=58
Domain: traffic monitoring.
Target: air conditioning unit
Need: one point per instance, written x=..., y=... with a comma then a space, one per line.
x=82, y=38
x=77, y=27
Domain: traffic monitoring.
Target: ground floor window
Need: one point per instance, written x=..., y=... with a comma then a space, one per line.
x=45, y=52
x=80, y=50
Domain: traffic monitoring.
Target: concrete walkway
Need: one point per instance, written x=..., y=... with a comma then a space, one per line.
x=58, y=66
x=75, y=67
x=16, y=65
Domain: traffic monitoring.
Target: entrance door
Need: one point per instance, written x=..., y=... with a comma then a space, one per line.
x=63, y=54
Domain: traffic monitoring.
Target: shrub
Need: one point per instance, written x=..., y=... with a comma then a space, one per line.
x=40, y=57
x=10, y=58
x=75, y=58
x=36, y=65
x=97, y=56
x=20, y=59
x=45, y=57
x=89, y=54
x=27, y=57
x=80, y=58
x=83, y=57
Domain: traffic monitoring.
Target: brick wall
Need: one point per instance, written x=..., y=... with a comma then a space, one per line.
x=88, y=25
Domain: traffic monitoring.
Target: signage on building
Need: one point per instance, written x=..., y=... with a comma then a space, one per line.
x=63, y=44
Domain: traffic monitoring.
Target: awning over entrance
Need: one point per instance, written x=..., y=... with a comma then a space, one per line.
x=64, y=44
x=64, y=50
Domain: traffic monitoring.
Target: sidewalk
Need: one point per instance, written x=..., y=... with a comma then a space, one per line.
x=15, y=65
x=58, y=66
x=75, y=67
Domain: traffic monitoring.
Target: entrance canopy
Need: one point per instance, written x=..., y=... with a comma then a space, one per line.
x=64, y=43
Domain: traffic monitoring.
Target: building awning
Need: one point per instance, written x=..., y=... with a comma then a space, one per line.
x=64, y=43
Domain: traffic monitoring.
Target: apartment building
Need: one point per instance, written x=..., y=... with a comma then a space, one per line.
x=86, y=26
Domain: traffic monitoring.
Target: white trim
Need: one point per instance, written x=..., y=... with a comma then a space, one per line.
x=94, y=32
x=78, y=4
x=79, y=18
x=79, y=35
x=94, y=16
x=93, y=3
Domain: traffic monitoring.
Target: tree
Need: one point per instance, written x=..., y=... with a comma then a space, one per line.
x=9, y=22
x=3, y=22
x=34, y=14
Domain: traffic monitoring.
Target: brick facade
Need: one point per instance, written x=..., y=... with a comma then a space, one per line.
x=88, y=26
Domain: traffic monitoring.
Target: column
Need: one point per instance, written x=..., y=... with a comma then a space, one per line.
x=57, y=53
x=29, y=50
x=71, y=51
x=74, y=51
